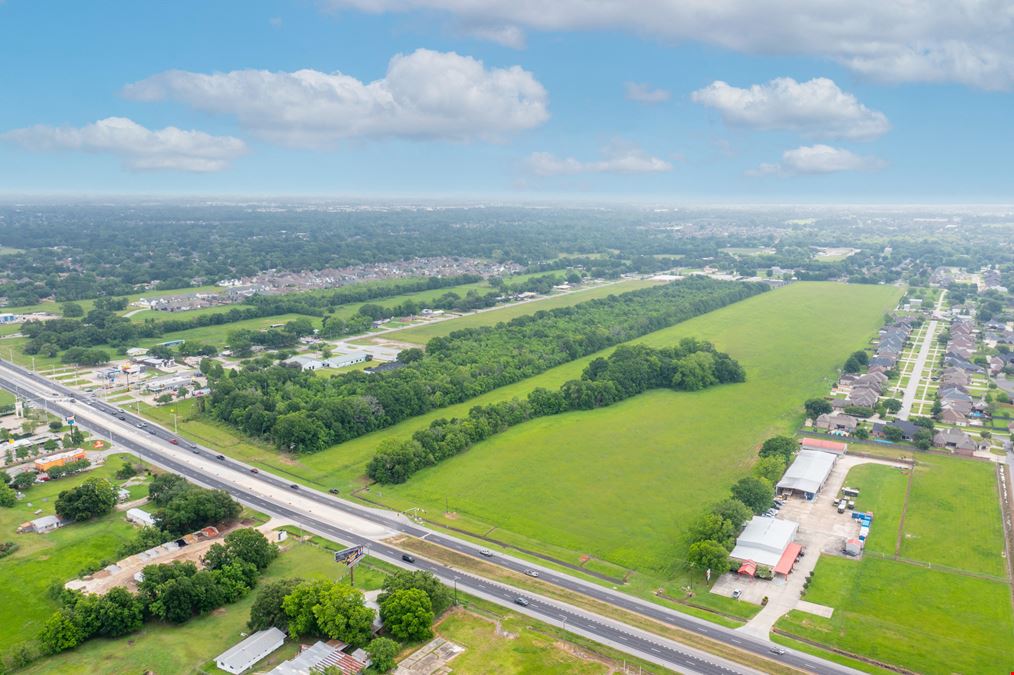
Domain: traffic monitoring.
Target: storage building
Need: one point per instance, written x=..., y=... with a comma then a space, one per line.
x=243, y=656
x=807, y=473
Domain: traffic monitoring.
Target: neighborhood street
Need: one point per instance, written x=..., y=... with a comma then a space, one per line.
x=916, y=378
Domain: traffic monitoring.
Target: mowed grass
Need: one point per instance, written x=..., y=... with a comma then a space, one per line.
x=56, y=556
x=925, y=620
x=423, y=334
x=170, y=649
x=526, y=651
x=622, y=483
x=882, y=493
x=953, y=516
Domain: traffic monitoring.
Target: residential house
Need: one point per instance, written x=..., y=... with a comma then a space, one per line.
x=835, y=422
x=863, y=396
x=955, y=440
x=950, y=416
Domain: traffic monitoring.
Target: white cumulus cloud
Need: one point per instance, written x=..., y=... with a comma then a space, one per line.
x=966, y=41
x=617, y=159
x=814, y=108
x=425, y=94
x=645, y=93
x=138, y=148
x=818, y=159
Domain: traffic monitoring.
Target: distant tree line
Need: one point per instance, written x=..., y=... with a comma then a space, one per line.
x=628, y=371
x=303, y=413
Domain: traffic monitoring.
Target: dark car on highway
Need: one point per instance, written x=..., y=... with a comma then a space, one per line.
x=521, y=601
x=407, y=558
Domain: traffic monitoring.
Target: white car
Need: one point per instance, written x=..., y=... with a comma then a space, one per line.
x=532, y=573
x=486, y=552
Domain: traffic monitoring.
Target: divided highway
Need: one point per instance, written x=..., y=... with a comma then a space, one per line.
x=351, y=523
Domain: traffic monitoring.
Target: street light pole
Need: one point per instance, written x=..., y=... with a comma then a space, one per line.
x=456, y=591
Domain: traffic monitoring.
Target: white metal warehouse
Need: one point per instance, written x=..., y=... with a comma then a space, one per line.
x=808, y=472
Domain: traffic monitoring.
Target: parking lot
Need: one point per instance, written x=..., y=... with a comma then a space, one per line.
x=822, y=531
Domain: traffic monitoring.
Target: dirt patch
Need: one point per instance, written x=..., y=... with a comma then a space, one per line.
x=451, y=515
x=221, y=611
x=286, y=460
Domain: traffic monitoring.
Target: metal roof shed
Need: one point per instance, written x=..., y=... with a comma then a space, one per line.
x=244, y=655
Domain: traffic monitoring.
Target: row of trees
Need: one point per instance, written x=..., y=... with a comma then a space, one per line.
x=173, y=592
x=628, y=371
x=303, y=413
x=409, y=603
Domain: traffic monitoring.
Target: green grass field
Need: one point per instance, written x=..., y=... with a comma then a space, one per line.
x=955, y=501
x=423, y=334
x=621, y=483
x=882, y=493
x=925, y=620
x=42, y=559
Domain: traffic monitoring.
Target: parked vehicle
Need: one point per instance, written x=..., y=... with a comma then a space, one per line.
x=737, y=593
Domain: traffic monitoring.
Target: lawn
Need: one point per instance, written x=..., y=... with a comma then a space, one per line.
x=881, y=492
x=58, y=556
x=926, y=620
x=423, y=334
x=621, y=483
x=953, y=516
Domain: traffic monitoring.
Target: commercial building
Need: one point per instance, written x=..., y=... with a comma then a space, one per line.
x=59, y=459
x=243, y=656
x=769, y=542
x=337, y=361
x=807, y=473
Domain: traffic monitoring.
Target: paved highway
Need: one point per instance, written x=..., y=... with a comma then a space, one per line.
x=153, y=443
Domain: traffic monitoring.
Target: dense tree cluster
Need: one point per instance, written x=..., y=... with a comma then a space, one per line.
x=303, y=413
x=184, y=507
x=626, y=372
x=95, y=497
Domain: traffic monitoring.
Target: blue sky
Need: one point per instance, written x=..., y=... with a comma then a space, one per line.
x=123, y=97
